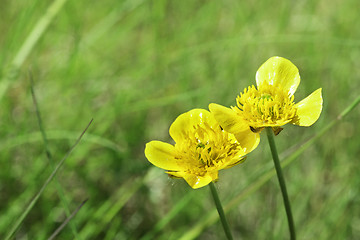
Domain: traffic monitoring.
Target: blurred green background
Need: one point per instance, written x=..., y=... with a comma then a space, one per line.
x=134, y=66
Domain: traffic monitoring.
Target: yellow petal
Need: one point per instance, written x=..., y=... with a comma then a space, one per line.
x=161, y=155
x=309, y=109
x=279, y=72
x=233, y=162
x=228, y=119
x=248, y=140
x=195, y=181
x=185, y=123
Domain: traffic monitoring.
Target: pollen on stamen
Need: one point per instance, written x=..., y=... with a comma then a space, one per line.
x=206, y=149
x=267, y=106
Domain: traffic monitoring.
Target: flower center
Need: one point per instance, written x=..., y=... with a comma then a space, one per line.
x=206, y=148
x=268, y=106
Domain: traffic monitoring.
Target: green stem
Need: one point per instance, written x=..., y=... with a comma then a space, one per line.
x=281, y=179
x=48, y=180
x=51, y=161
x=220, y=211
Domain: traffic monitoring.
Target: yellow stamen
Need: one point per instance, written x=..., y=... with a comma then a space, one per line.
x=265, y=107
x=206, y=148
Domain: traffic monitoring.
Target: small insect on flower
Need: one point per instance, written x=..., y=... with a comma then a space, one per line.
x=271, y=103
x=201, y=149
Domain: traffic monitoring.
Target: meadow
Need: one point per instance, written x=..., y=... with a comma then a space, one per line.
x=133, y=66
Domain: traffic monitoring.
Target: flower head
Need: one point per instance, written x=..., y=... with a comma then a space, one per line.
x=201, y=149
x=271, y=103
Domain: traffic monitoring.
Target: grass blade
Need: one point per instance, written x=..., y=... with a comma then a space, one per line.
x=170, y=215
x=52, y=175
x=109, y=21
x=61, y=227
x=49, y=157
x=109, y=209
x=29, y=44
x=59, y=135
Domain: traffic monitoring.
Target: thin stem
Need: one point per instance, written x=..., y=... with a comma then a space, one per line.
x=48, y=180
x=281, y=179
x=59, y=229
x=49, y=157
x=220, y=211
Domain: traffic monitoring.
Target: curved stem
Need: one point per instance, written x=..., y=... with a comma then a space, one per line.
x=281, y=179
x=220, y=211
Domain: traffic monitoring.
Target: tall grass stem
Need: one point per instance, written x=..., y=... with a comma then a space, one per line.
x=48, y=180
x=68, y=219
x=50, y=159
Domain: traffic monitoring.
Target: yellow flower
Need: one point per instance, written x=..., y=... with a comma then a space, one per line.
x=271, y=104
x=201, y=149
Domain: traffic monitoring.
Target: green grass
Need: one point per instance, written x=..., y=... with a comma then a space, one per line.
x=134, y=66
